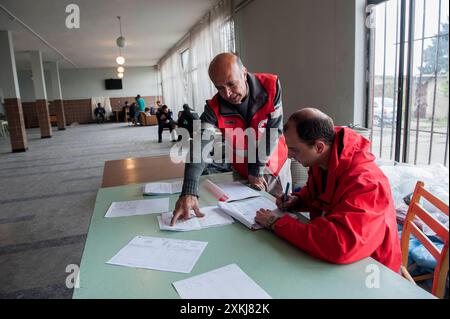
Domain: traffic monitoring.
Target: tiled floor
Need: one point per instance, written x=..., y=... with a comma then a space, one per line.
x=47, y=196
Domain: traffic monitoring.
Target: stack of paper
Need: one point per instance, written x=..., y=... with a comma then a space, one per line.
x=163, y=188
x=228, y=282
x=214, y=217
x=245, y=210
x=138, y=207
x=230, y=191
x=160, y=254
x=238, y=191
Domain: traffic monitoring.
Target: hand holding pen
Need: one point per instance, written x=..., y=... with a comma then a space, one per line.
x=286, y=202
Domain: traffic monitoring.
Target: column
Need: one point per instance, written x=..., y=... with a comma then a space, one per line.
x=57, y=94
x=10, y=86
x=40, y=93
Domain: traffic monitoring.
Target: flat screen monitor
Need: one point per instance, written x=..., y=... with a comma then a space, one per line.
x=113, y=84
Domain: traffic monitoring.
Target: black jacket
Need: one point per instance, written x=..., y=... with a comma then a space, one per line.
x=186, y=120
x=163, y=121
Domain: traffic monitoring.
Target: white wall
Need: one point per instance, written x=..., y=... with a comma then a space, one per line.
x=315, y=46
x=26, y=85
x=86, y=83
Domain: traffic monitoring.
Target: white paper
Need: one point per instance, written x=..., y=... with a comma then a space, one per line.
x=138, y=207
x=163, y=188
x=245, y=210
x=214, y=217
x=237, y=191
x=228, y=282
x=163, y=254
x=214, y=190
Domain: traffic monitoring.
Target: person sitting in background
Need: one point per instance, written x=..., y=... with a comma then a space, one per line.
x=158, y=107
x=100, y=113
x=134, y=113
x=165, y=120
x=147, y=111
x=125, y=110
x=186, y=120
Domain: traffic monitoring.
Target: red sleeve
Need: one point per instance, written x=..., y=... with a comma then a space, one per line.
x=352, y=231
x=305, y=203
x=305, y=196
x=305, y=199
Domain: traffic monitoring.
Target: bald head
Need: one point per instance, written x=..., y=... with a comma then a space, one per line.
x=311, y=125
x=229, y=77
x=223, y=62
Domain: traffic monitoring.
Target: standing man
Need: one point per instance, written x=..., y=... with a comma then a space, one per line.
x=348, y=197
x=244, y=101
x=141, y=103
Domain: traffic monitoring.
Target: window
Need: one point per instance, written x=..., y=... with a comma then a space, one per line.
x=184, y=69
x=195, y=61
x=185, y=60
x=409, y=114
x=228, y=36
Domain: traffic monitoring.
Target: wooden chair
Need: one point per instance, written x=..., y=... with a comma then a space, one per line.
x=416, y=209
x=53, y=119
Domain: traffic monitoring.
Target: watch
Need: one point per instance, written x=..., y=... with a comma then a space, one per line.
x=272, y=221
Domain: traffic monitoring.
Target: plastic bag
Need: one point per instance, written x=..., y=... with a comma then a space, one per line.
x=403, y=179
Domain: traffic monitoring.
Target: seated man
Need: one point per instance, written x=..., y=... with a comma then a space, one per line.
x=125, y=110
x=186, y=120
x=164, y=116
x=348, y=197
x=100, y=113
x=134, y=113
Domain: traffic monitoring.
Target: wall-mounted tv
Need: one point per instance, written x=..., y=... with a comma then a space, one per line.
x=113, y=84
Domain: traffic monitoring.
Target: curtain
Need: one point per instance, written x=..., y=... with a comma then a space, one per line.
x=214, y=34
x=174, y=90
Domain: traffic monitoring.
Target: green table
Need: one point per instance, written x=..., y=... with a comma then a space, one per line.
x=278, y=267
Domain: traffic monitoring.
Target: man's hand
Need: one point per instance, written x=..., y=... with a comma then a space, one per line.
x=265, y=218
x=183, y=208
x=290, y=203
x=258, y=182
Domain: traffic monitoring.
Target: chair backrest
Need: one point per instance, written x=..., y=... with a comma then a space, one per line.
x=416, y=209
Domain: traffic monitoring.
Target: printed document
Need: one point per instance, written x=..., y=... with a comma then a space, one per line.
x=214, y=217
x=245, y=210
x=163, y=254
x=138, y=207
x=163, y=188
x=228, y=282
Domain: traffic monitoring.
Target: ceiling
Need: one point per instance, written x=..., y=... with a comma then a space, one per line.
x=151, y=28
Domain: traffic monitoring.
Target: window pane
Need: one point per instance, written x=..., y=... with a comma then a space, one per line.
x=383, y=102
x=429, y=101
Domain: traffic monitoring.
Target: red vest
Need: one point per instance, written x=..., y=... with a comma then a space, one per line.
x=259, y=121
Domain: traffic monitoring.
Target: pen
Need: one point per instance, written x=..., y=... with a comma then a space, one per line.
x=285, y=194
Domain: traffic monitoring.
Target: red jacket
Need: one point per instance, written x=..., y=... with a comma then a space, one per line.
x=358, y=218
x=264, y=109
